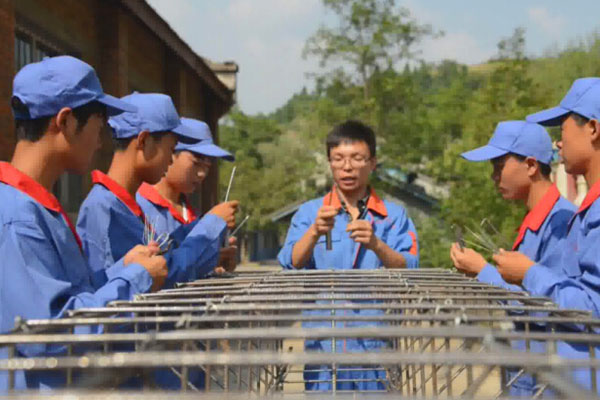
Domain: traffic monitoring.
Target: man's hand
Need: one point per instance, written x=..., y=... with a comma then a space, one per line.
x=228, y=256
x=147, y=257
x=324, y=221
x=512, y=265
x=467, y=260
x=361, y=231
x=219, y=271
x=226, y=211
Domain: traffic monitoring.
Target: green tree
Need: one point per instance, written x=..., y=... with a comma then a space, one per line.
x=372, y=35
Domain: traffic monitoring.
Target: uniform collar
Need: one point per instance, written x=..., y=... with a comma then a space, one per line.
x=119, y=191
x=590, y=198
x=150, y=193
x=538, y=214
x=374, y=203
x=17, y=179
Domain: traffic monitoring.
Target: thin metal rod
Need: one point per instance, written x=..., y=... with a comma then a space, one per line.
x=230, y=183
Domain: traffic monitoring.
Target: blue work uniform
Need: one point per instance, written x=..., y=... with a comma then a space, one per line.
x=111, y=223
x=392, y=225
x=576, y=284
x=160, y=212
x=540, y=238
x=44, y=272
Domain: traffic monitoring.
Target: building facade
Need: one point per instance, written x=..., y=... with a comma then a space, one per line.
x=132, y=48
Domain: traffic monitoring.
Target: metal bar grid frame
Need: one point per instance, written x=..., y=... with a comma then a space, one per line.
x=430, y=333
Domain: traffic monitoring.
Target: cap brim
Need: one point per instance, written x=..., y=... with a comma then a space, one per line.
x=484, y=153
x=184, y=134
x=210, y=150
x=116, y=106
x=549, y=117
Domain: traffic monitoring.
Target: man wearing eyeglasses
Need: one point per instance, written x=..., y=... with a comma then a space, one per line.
x=365, y=232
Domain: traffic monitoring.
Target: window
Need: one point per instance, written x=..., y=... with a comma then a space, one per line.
x=28, y=48
x=23, y=51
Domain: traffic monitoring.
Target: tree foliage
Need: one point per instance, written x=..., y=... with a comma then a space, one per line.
x=424, y=114
x=372, y=35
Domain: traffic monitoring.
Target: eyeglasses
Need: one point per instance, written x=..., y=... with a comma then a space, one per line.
x=356, y=161
x=204, y=160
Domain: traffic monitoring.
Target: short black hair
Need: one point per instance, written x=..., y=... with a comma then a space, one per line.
x=349, y=132
x=122, y=144
x=580, y=120
x=32, y=130
x=545, y=169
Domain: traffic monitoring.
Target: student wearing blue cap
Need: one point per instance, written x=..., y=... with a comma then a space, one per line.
x=111, y=221
x=60, y=111
x=166, y=203
x=521, y=153
x=366, y=233
x=576, y=284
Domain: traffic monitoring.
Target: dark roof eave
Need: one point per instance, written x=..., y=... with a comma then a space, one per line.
x=163, y=30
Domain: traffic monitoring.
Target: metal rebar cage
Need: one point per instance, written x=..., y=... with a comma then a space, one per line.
x=410, y=333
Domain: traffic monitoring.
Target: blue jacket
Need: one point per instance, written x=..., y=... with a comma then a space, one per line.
x=394, y=227
x=111, y=222
x=540, y=237
x=390, y=222
x=160, y=212
x=576, y=284
x=44, y=273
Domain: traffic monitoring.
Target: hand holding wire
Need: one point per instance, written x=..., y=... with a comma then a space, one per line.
x=151, y=238
x=361, y=231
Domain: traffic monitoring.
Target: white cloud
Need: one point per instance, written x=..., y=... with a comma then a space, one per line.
x=552, y=25
x=458, y=46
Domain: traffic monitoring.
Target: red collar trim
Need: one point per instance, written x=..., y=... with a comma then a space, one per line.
x=118, y=190
x=591, y=197
x=536, y=217
x=150, y=193
x=17, y=179
x=374, y=203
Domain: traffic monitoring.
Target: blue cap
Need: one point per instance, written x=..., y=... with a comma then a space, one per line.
x=203, y=142
x=519, y=137
x=48, y=86
x=155, y=113
x=583, y=98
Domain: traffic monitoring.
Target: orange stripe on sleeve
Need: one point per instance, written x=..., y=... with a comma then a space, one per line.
x=414, y=248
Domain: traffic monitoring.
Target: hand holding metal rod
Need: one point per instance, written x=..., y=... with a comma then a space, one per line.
x=240, y=225
x=458, y=233
x=226, y=238
x=230, y=183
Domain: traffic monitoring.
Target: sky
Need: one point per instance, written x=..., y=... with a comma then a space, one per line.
x=266, y=37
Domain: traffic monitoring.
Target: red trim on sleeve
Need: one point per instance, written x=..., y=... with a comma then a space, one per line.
x=415, y=247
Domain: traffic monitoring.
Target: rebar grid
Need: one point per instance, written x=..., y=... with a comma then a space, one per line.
x=430, y=332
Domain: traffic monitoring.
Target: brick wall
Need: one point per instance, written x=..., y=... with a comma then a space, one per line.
x=126, y=53
x=7, y=63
